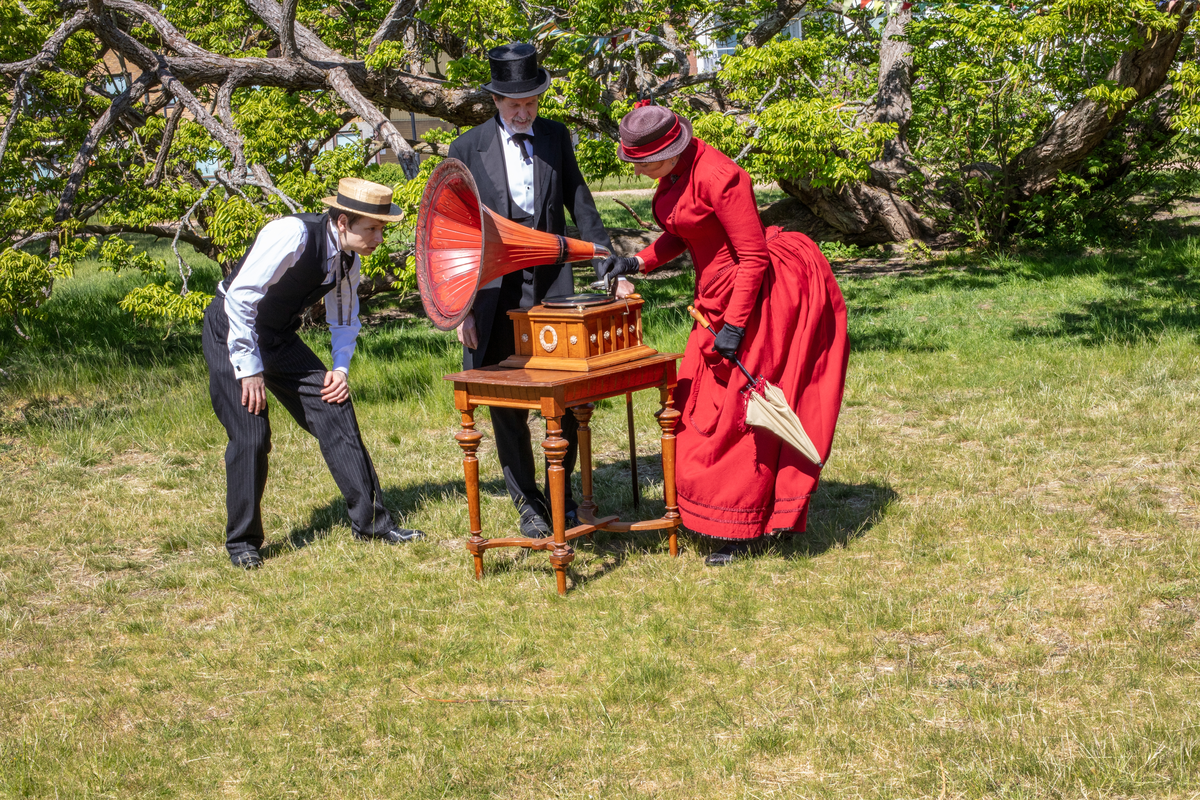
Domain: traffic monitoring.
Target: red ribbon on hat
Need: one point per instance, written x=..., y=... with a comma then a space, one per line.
x=643, y=103
x=650, y=148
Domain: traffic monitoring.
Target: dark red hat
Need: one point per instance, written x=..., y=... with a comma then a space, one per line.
x=653, y=133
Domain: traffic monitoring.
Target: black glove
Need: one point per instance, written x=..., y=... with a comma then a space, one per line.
x=617, y=265
x=728, y=340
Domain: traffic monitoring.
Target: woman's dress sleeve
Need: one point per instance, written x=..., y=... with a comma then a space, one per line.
x=663, y=249
x=732, y=199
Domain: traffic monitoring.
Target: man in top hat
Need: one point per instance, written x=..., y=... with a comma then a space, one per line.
x=250, y=344
x=525, y=169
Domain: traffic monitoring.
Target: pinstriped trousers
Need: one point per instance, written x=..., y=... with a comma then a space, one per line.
x=295, y=377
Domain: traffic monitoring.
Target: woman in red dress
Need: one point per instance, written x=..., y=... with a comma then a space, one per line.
x=775, y=305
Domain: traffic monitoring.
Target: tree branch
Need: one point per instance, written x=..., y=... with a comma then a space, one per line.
x=31, y=66
x=111, y=114
x=383, y=127
x=1078, y=132
x=52, y=46
x=400, y=10
x=168, y=137
x=773, y=22
x=287, y=29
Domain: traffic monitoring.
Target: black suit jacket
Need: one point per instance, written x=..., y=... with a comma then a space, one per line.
x=558, y=187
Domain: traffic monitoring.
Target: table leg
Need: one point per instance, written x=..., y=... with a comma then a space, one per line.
x=584, y=415
x=637, y=491
x=468, y=439
x=668, y=417
x=556, y=449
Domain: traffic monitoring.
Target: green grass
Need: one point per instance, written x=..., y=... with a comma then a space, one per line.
x=997, y=595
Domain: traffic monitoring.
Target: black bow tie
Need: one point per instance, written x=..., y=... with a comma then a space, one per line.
x=347, y=261
x=525, y=142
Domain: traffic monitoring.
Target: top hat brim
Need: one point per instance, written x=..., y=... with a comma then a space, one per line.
x=670, y=151
x=519, y=89
x=395, y=213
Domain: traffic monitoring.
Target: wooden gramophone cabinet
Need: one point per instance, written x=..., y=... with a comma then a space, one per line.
x=578, y=338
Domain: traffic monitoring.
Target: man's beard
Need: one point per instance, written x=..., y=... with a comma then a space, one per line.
x=518, y=127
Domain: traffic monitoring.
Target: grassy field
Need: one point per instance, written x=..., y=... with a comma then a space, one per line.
x=997, y=596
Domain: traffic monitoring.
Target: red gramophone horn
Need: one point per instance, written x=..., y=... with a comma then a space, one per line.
x=461, y=245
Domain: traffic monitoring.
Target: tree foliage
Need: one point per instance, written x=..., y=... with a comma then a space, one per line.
x=196, y=121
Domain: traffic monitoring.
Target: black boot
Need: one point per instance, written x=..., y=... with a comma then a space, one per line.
x=728, y=553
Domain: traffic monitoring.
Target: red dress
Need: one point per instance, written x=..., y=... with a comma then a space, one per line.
x=737, y=482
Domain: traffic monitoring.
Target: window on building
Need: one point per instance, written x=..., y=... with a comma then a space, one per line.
x=115, y=84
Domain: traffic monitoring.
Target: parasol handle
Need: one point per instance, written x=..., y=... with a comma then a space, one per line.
x=704, y=323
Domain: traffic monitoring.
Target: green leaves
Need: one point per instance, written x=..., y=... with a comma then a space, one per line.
x=25, y=283
x=233, y=226
x=163, y=303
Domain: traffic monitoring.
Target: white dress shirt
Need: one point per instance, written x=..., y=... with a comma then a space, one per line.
x=519, y=169
x=279, y=245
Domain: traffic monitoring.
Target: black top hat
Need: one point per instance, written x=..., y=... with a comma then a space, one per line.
x=515, y=71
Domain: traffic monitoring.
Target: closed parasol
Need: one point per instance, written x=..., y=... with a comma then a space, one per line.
x=767, y=408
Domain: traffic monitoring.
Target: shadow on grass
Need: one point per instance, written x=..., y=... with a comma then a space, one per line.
x=838, y=514
x=402, y=502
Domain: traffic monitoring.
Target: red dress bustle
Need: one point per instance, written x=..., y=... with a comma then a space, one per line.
x=736, y=482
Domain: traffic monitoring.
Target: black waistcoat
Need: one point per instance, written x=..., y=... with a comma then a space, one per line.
x=302, y=285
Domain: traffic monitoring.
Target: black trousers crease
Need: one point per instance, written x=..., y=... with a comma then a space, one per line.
x=295, y=376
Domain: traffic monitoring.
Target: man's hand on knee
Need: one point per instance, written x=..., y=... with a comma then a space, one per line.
x=337, y=387
x=254, y=394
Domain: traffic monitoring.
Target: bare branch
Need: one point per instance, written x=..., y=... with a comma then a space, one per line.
x=287, y=29
x=111, y=114
x=400, y=11
x=185, y=271
x=52, y=46
x=383, y=127
x=29, y=67
x=675, y=84
x=166, y=31
x=758, y=110
x=634, y=214
x=262, y=179
x=32, y=239
x=773, y=22
x=168, y=137
x=174, y=231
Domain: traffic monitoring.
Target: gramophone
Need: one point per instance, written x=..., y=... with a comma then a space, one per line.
x=462, y=245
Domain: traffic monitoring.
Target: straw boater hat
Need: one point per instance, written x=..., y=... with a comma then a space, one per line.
x=653, y=133
x=373, y=200
x=515, y=71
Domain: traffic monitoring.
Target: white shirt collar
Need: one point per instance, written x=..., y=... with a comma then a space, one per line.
x=335, y=245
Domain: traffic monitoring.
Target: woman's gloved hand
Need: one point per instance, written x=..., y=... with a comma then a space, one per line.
x=618, y=265
x=728, y=340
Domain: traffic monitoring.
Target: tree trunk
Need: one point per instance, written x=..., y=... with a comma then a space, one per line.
x=1075, y=134
x=873, y=211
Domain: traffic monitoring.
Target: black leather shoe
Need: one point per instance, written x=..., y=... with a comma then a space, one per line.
x=247, y=560
x=394, y=536
x=728, y=554
x=533, y=526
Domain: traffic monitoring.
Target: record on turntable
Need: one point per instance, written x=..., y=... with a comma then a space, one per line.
x=573, y=300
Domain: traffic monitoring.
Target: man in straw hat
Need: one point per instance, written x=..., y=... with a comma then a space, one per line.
x=525, y=169
x=250, y=344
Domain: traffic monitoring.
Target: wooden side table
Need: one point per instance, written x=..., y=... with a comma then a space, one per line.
x=553, y=392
